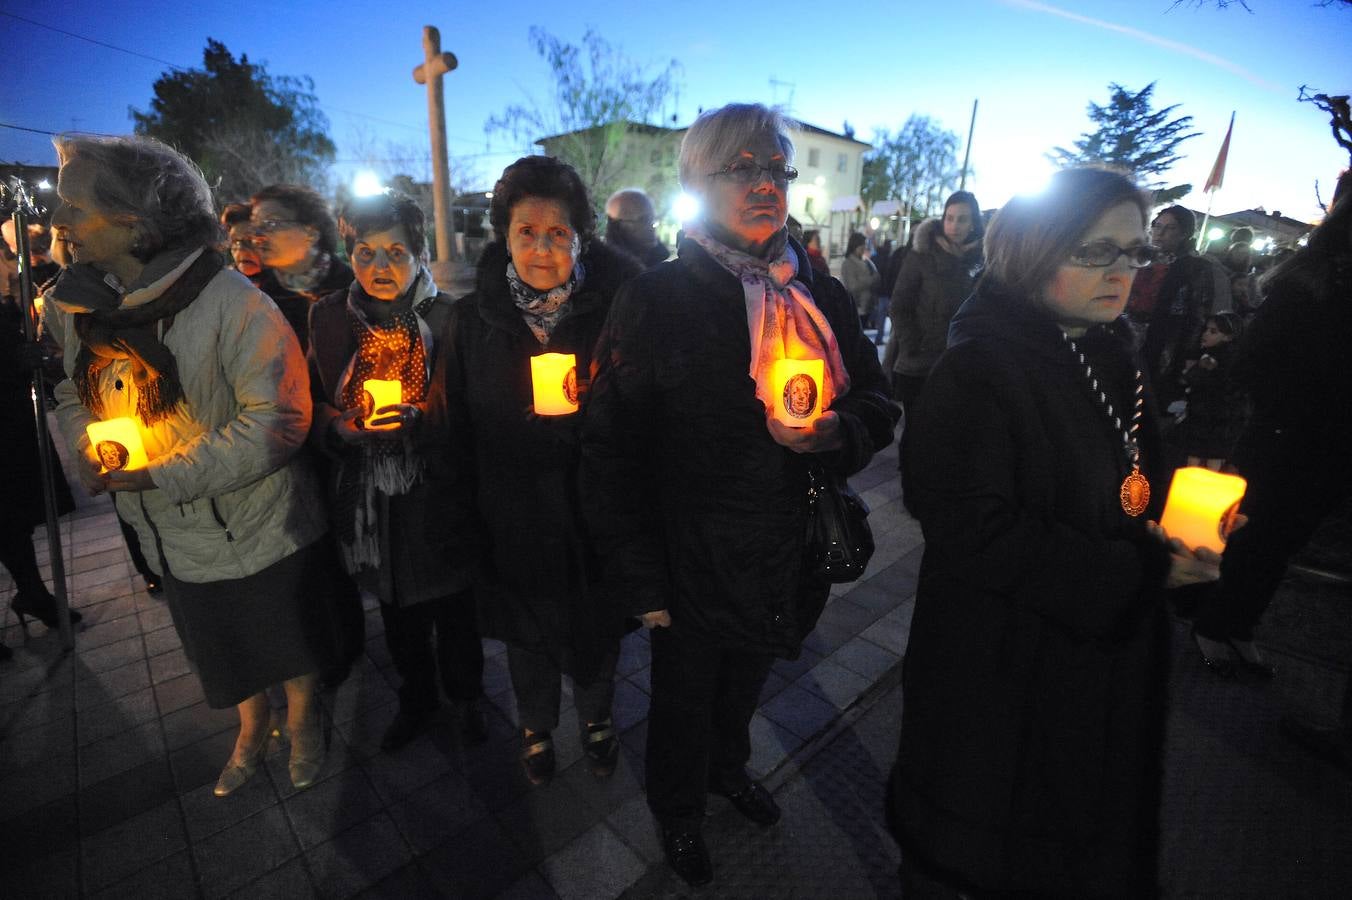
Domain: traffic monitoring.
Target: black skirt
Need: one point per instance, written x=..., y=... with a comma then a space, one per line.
x=242, y=635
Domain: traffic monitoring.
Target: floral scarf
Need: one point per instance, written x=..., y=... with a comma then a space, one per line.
x=542, y=310
x=783, y=320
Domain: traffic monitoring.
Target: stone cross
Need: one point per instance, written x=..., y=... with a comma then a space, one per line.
x=436, y=64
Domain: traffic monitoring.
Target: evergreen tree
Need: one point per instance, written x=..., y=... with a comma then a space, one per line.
x=244, y=127
x=1129, y=134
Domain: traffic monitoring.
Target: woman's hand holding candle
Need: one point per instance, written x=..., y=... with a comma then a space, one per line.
x=129, y=480
x=821, y=436
x=1190, y=566
x=395, y=417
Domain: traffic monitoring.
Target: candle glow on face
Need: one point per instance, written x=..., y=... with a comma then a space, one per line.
x=554, y=381
x=118, y=444
x=796, y=386
x=1201, y=507
x=380, y=393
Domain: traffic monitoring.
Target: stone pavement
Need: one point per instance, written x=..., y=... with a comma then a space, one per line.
x=108, y=755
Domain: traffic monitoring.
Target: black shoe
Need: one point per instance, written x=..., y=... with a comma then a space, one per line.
x=154, y=586
x=1222, y=667
x=537, y=755
x=43, y=609
x=467, y=716
x=405, y=727
x=754, y=802
x=601, y=745
x=1256, y=666
x=688, y=856
x=5, y=653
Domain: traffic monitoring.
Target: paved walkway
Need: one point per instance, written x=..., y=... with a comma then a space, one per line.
x=108, y=755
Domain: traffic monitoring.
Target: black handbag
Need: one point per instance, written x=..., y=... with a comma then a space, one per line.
x=839, y=541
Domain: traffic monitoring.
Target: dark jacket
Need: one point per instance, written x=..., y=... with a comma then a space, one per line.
x=295, y=305
x=1033, y=704
x=534, y=588
x=932, y=284
x=694, y=507
x=419, y=563
x=1217, y=407
x=1186, y=298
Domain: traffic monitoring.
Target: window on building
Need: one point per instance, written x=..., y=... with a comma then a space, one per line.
x=814, y=157
x=842, y=162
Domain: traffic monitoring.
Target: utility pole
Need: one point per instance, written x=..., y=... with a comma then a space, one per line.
x=967, y=157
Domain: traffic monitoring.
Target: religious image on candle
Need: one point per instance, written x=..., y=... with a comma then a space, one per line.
x=118, y=444
x=1202, y=507
x=796, y=384
x=554, y=382
x=376, y=394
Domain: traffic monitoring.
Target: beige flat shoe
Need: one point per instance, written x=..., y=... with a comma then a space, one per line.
x=238, y=771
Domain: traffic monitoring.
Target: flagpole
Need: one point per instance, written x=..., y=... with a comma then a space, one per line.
x=1214, y=181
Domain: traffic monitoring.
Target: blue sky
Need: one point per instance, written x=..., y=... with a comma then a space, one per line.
x=1033, y=65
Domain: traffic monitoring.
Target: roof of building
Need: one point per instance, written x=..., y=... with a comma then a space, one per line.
x=645, y=128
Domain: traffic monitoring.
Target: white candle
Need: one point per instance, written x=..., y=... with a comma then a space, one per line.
x=1201, y=507
x=118, y=444
x=797, y=391
x=381, y=393
x=554, y=382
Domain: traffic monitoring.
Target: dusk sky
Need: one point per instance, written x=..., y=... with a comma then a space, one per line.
x=1033, y=65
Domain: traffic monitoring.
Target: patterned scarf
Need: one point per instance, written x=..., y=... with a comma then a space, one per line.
x=393, y=342
x=783, y=320
x=307, y=281
x=542, y=310
x=109, y=332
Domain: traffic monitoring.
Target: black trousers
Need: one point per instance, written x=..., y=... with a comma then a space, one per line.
x=1289, y=494
x=538, y=689
x=458, y=652
x=138, y=559
x=19, y=557
x=703, y=697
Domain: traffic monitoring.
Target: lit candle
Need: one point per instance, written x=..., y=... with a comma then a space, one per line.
x=1201, y=507
x=118, y=444
x=797, y=391
x=554, y=380
x=380, y=393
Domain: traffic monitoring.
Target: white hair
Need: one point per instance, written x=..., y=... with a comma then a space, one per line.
x=720, y=134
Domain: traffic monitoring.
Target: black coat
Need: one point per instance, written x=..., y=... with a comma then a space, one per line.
x=419, y=563
x=295, y=305
x=930, y=287
x=21, y=486
x=693, y=505
x=538, y=568
x=1033, y=676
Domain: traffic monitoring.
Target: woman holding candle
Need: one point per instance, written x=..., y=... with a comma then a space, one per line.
x=157, y=330
x=383, y=328
x=544, y=287
x=696, y=492
x=1033, y=712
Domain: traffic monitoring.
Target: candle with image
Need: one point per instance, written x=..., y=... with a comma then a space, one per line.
x=118, y=444
x=796, y=386
x=554, y=382
x=1202, y=506
x=380, y=393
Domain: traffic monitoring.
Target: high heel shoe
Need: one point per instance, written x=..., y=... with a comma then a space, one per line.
x=1251, y=661
x=239, y=770
x=309, y=746
x=5, y=653
x=44, y=610
x=1222, y=667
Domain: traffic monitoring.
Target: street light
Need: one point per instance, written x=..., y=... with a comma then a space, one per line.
x=367, y=184
x=685, y=207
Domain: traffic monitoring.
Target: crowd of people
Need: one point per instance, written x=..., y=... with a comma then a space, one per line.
x=1036, y=453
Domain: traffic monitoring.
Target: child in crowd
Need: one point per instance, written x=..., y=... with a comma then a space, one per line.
x=1216, y=406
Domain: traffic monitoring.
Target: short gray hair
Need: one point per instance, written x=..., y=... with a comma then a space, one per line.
x=149, y=185
x=719, y=134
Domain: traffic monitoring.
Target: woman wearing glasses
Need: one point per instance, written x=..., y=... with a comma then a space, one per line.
x=544, y=286
x=1033, y=678
x=297, y=241
x=697, y=498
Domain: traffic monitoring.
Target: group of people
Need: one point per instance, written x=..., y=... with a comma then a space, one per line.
x=671, y=498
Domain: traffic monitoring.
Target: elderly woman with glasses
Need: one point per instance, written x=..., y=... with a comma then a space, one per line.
x=544, y=287
x=696, y=495
x=296, y=237
x=1033, y=679
x=159, y=333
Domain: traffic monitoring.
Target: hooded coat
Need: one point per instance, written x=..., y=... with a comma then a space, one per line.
x=534, y=587
x=693, y=505
x=1033, y=677
x=931, y=286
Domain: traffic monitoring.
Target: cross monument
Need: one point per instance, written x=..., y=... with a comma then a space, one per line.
x=435, y=64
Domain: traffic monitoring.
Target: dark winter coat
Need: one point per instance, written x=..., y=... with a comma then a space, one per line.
x=419, y=563
x=1217, y=407
x=1033, y=703
x=1186, y=299
x=295, y=305
x=932, y=284
x=694, y=508
x=21, y=486
x=538, y=567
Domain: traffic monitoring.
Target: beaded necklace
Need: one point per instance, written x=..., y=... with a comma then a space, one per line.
x=1134, y=492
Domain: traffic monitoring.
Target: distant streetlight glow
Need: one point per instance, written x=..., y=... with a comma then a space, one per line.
x=873, y=223
x=44, y=185
x=1215, y=234
x=367, y=184
x=685, y=207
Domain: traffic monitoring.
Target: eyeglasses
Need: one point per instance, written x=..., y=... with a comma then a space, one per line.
x=746, y=171
x=1098, y=254
x=242, y=244
x=268, y=226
